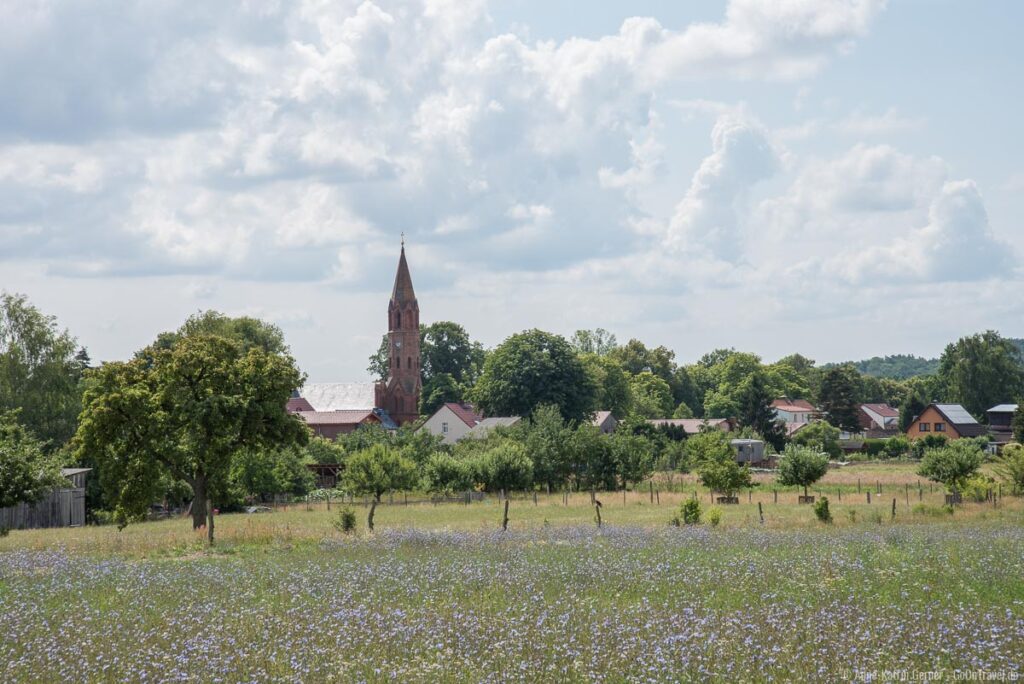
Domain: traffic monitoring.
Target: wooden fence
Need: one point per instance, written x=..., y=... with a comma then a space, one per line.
x=60, y=508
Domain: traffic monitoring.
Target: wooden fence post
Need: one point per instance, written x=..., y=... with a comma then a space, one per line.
x=760, y=512
x=651, y=483
x=894, y=509
x=776, y=493
x=657, y=495
x=869, y=496
x=858, y=485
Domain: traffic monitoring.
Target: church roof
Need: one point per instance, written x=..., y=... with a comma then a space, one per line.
x=340, y=396
x=403, y=291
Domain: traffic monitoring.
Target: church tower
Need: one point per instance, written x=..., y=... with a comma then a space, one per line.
x=399, y=395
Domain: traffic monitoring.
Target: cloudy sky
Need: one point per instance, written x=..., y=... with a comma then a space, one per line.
x=842, y=178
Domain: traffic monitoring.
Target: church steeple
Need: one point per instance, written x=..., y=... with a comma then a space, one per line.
x=399, y=395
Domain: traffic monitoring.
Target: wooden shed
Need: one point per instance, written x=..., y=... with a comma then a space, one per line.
x=63, y=507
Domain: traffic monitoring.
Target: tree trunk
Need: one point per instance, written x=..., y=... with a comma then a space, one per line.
x=504, y=520
x=209, y=528
x=369, y=518
x=199, y=502
x=805, y=491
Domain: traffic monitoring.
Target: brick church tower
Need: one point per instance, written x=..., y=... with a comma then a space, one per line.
x=399, y=395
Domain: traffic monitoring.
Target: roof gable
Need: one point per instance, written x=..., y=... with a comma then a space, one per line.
x=464, y=412
x=340, y=396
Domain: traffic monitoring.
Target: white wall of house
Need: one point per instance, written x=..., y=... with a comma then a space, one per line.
x=445, y=423
x=793, y=416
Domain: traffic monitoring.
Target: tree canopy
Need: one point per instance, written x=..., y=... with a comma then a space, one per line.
x=838, y=397
x=802, y=466
x=40, y=370
x=534, y=368
x=187, y=409
x=27, y=473
x=952, y=464
x=981, y=371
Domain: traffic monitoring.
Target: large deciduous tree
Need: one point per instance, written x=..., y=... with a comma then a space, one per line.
x=981, y=371
x=534, y=368
x=39, y=371
x=598, y=341
x=802, y=466
x=27, y=473
x=754, y=410
x=186, y=408
x=652, y=396
x=612, y=385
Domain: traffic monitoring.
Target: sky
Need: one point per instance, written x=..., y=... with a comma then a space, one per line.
x=839, y=178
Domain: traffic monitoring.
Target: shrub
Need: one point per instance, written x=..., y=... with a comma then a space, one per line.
x=690, y=512
x=976, y=488
x=714, y=516
x=1010, y=467
x=920, y=446
x=821, y=510
x=346, y=520
x=897, y=447
x=874, y=447
x=852, y=514
x=4, y=531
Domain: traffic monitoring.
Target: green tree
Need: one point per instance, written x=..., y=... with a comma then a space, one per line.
x=754, y=403
x=1018, y=423
x=953, y=464
x=27, y=473
x=838, y=397
x=919, y=393
x=444, y=474
x=652, y=396
x=802, y=466
x=39, y=371
x=187, y=410
x=1010, y=467
x=981, y=371
x=438, y=391
x=635, y=457
x=505, y=468
x=248, y=332
x=820, y=436
x=534, y=368
x=708, y=445
x=724, y=475
x=376, y=471
x=546, y=440
x=682, y=411
x=612, y=385
x=593, y=461
x=599, y=342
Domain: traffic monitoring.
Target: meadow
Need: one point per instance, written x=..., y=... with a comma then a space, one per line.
x=438, y=593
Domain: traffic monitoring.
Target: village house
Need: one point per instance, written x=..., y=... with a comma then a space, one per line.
x=692, y=426
x=950, y=420
x=452, y=422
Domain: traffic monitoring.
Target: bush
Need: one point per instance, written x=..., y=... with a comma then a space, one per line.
x=346, y=520
x=4, y=531
x=690, y=512
x=874, y=448
x=897, y=447
x=821, y=510
x=920, y=446
x=1010, y=467
x=977, y=488
x=714, y=516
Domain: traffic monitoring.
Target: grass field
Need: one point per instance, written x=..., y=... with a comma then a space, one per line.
x=439, y=594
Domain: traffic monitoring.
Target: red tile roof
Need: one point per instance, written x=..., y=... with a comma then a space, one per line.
x=465, y=412
x=883, y=410
x=296, y=404
x=336, y=417
x=794, y=405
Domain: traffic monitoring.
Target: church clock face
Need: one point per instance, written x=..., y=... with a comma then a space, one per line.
x=398, y=344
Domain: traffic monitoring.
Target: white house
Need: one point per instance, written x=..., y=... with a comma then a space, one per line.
x=452, y=422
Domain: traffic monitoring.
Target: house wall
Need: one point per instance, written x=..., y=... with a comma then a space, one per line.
x=59, y=508
x=793, y=416
x=930, y=417
x=457, y=428
x=1000, y=421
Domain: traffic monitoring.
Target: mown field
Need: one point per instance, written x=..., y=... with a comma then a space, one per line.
x=439, y=594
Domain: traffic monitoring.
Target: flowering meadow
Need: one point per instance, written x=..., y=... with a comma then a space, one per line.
x=570, y=603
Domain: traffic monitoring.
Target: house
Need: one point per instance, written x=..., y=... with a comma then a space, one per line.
x=1000, y=422
x=692, y=426
x=605, y=422
x=794, y=410
x=330, y=424
x=951, y=420
x=452, y=422
x=63, y=507
x=481, y=429
x=878, y=418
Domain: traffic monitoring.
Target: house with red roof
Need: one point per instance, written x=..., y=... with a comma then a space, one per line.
x=878, y=420
x=452, y=422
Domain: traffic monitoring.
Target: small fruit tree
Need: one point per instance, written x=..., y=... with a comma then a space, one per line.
x=802, y=466
x=952, y=465
x=504, y=468
x=377, y=470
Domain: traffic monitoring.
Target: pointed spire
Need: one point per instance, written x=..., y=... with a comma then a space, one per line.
x=403, y=291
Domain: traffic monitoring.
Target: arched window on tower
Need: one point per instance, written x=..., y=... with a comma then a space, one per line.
x=408, y=362
x=398, y=319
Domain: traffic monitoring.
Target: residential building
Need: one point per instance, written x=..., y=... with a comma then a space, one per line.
x=452, y=422
x=951, y=420
x=1000, y=422
x=878, y=418
x=487, y=424
x=794, y=410
x=605, y=422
